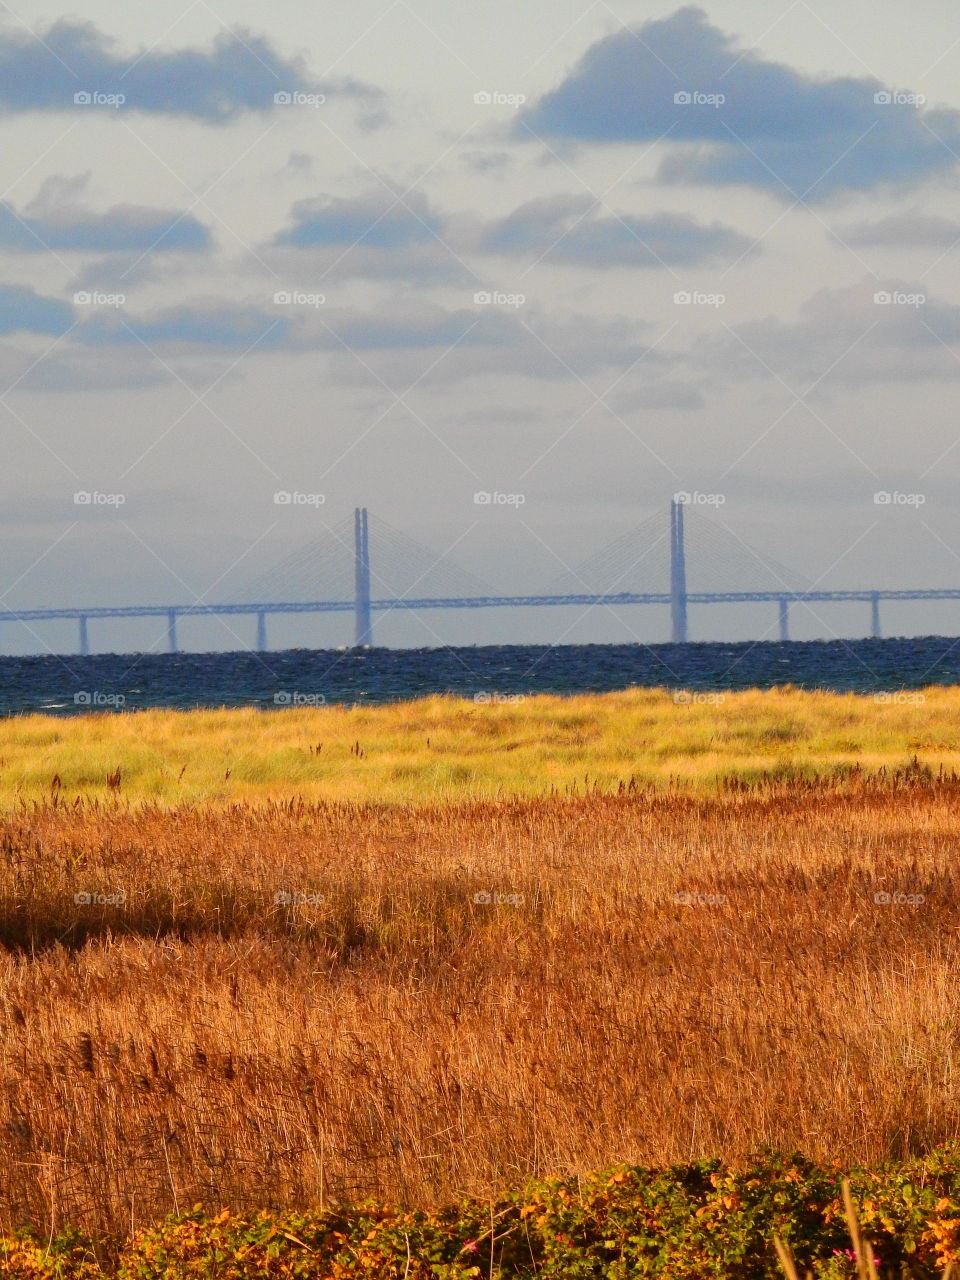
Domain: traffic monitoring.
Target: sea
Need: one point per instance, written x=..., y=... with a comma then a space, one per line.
x=70, y=685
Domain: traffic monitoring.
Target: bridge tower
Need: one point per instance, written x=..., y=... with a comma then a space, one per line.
x=363, y=621
x=678, y=575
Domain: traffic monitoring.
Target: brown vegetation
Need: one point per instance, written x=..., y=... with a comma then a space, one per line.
x=187, y=1035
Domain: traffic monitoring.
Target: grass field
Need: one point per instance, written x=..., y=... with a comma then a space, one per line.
x=444, y=748
x=289, y=1005
x=281, y=964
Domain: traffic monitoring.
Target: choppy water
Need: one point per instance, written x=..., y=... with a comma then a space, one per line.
x=73, y=685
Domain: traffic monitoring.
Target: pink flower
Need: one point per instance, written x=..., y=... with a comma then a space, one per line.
x=851, y=1254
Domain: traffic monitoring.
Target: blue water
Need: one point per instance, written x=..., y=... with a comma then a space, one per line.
x=73, y=685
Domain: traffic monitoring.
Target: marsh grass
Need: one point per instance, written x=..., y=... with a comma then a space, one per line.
x=394, y=1037
x=444, y=748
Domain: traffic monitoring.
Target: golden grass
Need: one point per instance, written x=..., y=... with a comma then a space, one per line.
x=201, y=1041
x=449, y=749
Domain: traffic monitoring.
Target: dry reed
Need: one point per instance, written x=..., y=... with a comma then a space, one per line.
x=666, y=976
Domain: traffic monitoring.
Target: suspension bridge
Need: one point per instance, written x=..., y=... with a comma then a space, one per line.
x=650, y=565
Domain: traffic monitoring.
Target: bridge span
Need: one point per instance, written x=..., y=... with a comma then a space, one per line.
x=363, y=605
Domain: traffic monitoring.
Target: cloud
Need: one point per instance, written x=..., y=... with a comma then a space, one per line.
x=69, y=368
x=659, y=395
x=373, y=236
x=89, y=371
x=843, y=338
x=121, y=272
x=240, y=72
x=379, y=220
x=55, y=220
x=419, y=267
x=905, y=230
x=473, y=341
x=291, y=327
x=417, y=326
x=570, y=229
x=487, y=161
x=775, y=128
x=299, y=162
x=22, y=310
x=376, y=235
x=503, y=345
x=193, y=325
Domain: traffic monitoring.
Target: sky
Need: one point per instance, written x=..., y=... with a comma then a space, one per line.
x=398, y=255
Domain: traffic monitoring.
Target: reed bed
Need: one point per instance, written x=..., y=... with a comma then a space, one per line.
x=292, y=1004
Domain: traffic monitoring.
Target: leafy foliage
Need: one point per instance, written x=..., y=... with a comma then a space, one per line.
x=691, y=1222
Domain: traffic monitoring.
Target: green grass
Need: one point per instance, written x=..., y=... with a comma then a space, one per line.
x=446, y=748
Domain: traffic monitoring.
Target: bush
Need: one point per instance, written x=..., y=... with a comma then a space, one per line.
x=689, y=1222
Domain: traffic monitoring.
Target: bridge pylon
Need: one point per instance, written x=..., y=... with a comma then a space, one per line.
x=363, y=617
x=678, y=575
x=875, y=631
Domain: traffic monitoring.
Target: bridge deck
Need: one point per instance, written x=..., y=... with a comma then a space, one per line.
x=171, y=611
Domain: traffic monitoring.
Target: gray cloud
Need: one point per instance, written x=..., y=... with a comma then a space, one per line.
x=777, y=128
x=192, y=325
x=378, y=220
x=658, y=395
x=240, y=72
x=90, y=371
x=295, y=328
x=504, y=345
x=56, y=220
x=417, y=266
x=23, y=310
x=842, y=338
x=904, y=231
x=473, y=341
x=374, y=235
x=570, y=229
x=487, y=161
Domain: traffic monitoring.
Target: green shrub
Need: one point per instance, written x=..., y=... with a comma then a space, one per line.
x=689, y=1222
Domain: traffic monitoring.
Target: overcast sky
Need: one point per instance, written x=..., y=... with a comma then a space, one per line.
x=399, y=254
